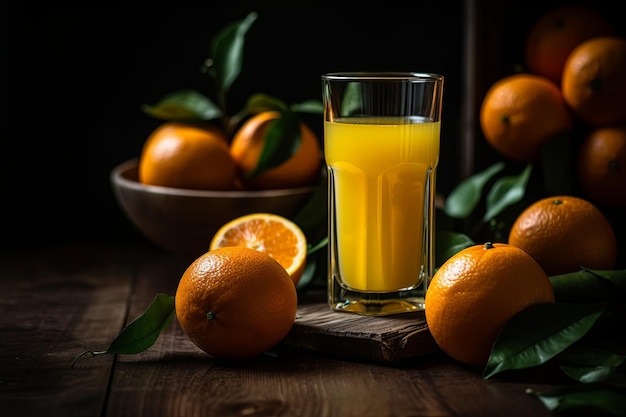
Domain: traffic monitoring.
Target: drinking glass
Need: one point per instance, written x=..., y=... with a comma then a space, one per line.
x=381, y=146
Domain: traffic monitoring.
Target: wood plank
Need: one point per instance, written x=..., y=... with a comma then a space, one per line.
x=385, y=339
x=54, y=304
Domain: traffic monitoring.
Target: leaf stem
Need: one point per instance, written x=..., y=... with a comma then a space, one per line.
x=91, y=353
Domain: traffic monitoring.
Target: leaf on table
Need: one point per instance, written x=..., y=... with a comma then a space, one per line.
x=589, y=366
x=466, y=195
x=142, y=332
x=589, y=285
x=588, y=399
x=506, y=192
x=184, y=105
x=540, y=332
x=227, y=52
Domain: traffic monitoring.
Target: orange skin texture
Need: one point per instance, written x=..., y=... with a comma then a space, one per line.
x=235, y=302
x=302, y=169
x=475, y=292
x=564, y=233
x=602, y=166
x=593, y=84
x=187, y=156
x=520, y=113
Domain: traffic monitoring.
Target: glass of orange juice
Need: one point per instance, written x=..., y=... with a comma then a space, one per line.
x=381, y=146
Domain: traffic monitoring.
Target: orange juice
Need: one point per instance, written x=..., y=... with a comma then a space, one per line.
x=380, y=172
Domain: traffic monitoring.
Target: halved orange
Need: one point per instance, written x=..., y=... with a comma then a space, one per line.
x=275, y=235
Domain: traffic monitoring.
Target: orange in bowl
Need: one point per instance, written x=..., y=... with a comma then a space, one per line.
x=302, y=168
x=184, y=220
x=185, y=155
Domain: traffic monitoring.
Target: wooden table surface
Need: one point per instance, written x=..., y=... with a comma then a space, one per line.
x=57, y=302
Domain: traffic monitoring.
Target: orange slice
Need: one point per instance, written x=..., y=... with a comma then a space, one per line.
x=275, y=235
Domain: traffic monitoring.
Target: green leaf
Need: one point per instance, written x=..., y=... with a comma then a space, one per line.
x=307, y=275
x=352, y=101
x=505, y=192
x=617, y=277
x=583, y=400
x=142, y=332
x=227, y=52
x=309, y=106
x=313, y=216
x=590, y=366
x=313, y=220
x=449, y=243
x=282, y=140
x=463, y=198
x=319, y=245
x=589, y=286
x=538, y=333
x=184, y=105
x=258, y=103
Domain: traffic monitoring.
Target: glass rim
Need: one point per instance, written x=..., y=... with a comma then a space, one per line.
x=382, y=75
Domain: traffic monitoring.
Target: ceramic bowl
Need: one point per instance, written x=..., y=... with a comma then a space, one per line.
x=184, y=221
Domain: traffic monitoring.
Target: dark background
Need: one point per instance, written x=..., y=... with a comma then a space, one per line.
x=73, y=81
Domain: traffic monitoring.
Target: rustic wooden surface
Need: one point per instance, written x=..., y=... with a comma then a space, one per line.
x=58, y=302
x=384, y=339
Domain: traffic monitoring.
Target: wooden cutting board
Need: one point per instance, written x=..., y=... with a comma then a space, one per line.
x=383, y=339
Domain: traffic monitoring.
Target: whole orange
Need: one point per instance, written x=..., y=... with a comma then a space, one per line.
x=593, y=84
x=235, y=302
x=520, y=113
x=303, y=168
x=475, y=292
x=183, y=155
x=564, y=233
x=556, y=33
x=601, y=166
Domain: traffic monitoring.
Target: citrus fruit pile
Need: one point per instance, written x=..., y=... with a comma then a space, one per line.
x=573, y=87
x=481, y=288
x=239, y=299
x=204, y=157
x=571, y=91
